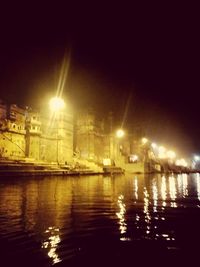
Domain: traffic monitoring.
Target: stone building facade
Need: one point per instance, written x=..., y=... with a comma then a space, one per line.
x=27, y=134
x=89, y=136
x=47, y=137
x=12, y=131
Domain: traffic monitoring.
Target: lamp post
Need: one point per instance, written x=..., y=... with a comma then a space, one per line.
x=56, y=105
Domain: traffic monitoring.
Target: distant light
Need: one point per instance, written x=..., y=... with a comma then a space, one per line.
x=181, y=162
x=196, y=158
x=144, y=140
x=154, y=145
x=171, y=154
x=107, y=162
x=120, y=133
x=133, y=158
x=56, y=104
x=162, y=152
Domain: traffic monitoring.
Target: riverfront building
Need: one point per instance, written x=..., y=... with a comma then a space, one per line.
x=30, y=135
x=50, y=137
x=12, y=131
x=89, y=136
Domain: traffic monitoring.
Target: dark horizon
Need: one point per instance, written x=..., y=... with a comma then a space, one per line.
x=142, y=63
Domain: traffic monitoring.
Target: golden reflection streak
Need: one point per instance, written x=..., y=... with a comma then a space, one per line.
x=52, y=243
x=198, y=185
x=136, y=188
x=185, y=185
x=179, y=180
x=172, y=191
x=163, y=191
x=121, y=215
x=146, y=210
x=155, y=196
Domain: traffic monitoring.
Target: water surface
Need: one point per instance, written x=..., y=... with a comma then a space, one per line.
x=99, y=220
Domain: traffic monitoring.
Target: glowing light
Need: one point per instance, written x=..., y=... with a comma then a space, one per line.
x=146, y=210
x=107, y=162
x=172, y=187
x=181, y=162
x=154, y=145
x=196, y=158
x=56, y=104
x=179, y=180
x=198, y=185
x=162, y=152
x=144, y=140
x=133, y=158
x=51, y=243
x=185, y=185
x=120, y=133
x=136, y=188
x=163, y=191
x=155, y=196
x=172, y=191
x=121, y=215
x=171, y=154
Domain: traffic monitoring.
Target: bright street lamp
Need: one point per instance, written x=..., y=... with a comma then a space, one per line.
x=144, y=140
x=120, y=133
x=56, y=104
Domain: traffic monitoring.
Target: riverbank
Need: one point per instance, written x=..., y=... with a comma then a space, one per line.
x=82, y=167
x=21, y=168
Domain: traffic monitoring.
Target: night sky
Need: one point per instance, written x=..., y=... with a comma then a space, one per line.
x=142, y=62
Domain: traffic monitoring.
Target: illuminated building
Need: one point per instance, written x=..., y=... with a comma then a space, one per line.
x=89, y=136
x=27, y=134
x=57, y=137
x=12, y=131
x=33, y=135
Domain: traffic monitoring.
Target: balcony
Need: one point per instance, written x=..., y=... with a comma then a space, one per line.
x=34, y=121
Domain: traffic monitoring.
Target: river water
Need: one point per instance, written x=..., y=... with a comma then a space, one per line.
x=100, y=220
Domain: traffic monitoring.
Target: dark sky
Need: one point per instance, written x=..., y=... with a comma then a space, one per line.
x=140, y=61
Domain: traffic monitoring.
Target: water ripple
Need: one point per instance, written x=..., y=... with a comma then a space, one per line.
x=55, y=220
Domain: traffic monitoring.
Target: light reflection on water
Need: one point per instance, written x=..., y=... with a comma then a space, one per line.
x=51, y=242
x=121, y=215
x=64, y=214
x=198, y=185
